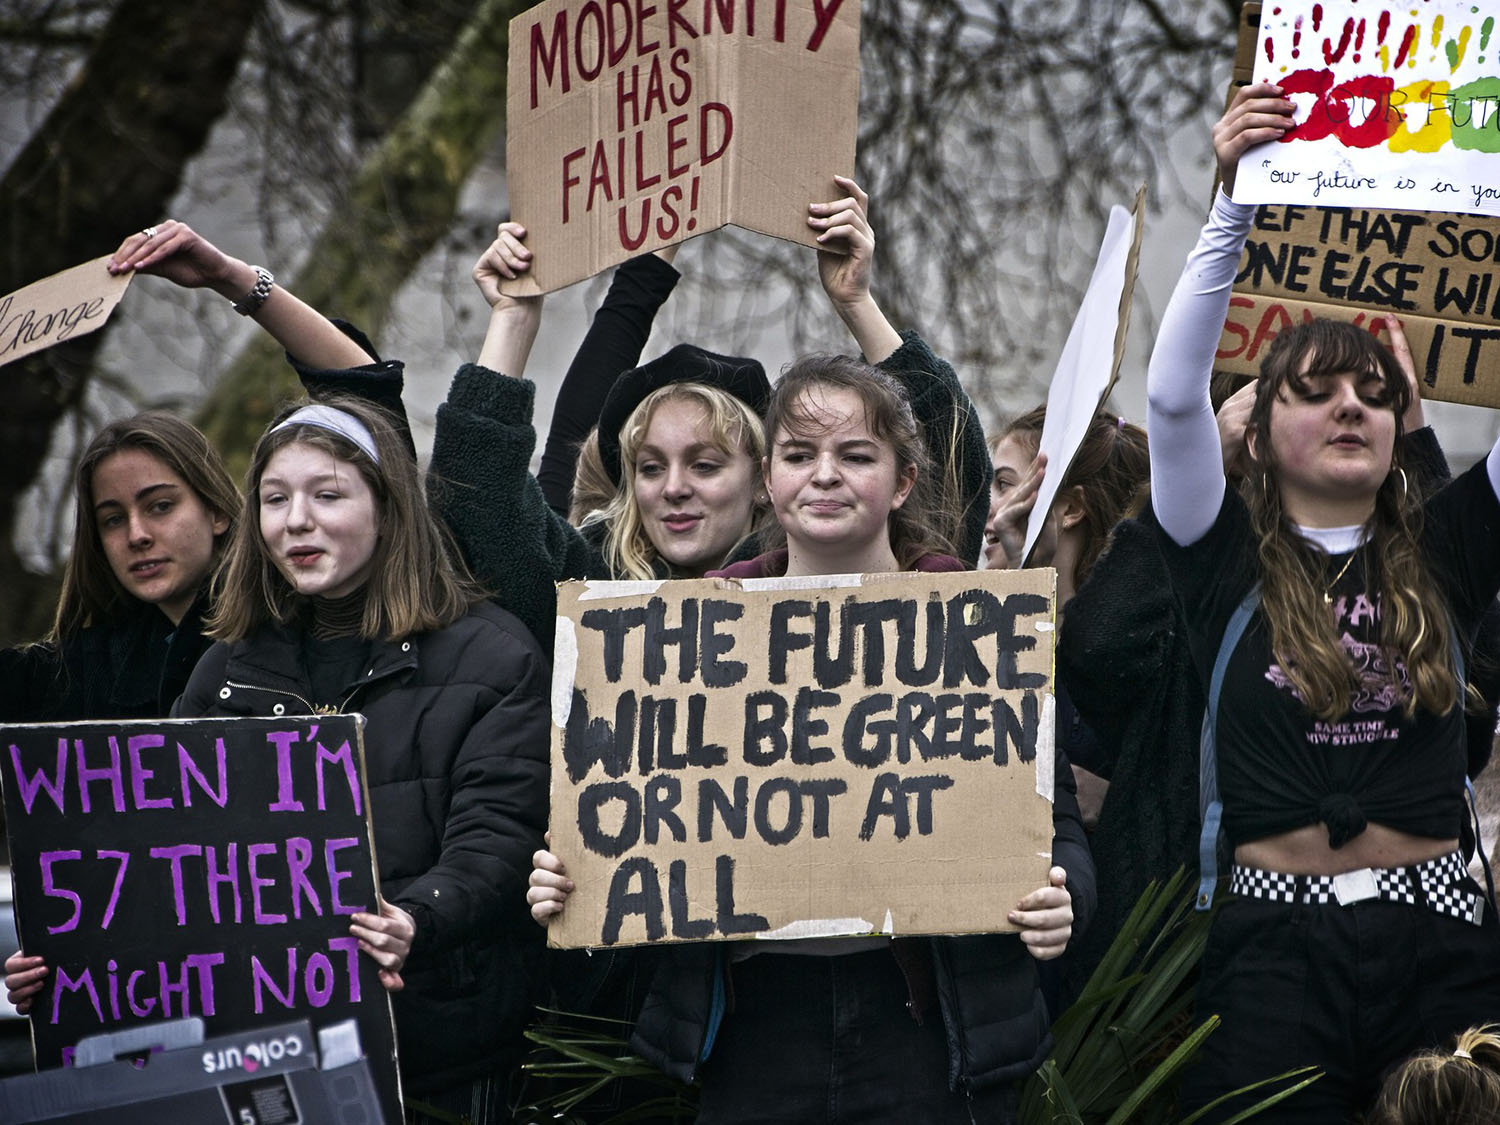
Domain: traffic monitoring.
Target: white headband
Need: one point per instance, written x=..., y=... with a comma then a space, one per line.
x=337, y=421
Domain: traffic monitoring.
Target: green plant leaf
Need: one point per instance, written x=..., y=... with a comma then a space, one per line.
x=1260, y=1106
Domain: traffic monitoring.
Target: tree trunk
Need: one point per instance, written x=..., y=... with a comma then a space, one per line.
x=107, y=160
x=402, y=201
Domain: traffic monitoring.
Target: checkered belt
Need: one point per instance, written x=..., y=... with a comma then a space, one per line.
x=1438, y=884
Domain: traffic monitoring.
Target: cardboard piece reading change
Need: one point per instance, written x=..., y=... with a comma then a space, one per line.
x=1435, y=271
x=796, y=758
x=205, y=867
x=634, y=125
x=72, y=303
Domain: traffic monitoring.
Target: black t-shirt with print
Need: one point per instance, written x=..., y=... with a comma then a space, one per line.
x=1280, y=767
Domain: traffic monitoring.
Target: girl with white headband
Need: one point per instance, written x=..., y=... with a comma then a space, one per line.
x=153, y=508
x=340, y=595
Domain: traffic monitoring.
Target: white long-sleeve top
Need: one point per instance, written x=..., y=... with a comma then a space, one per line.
x=1187, y=467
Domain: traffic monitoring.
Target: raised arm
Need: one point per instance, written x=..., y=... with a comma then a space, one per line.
x=613, y=344
x=846, y=261
x=480, y=481
x=514, y=321
x=1187, y=469
x=950, y=423
x=175, y=251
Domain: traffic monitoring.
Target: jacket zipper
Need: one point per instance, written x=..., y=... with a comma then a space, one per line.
x=312, y=709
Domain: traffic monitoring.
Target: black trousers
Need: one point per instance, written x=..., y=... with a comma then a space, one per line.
x=1351, y=990
x=829, y=1039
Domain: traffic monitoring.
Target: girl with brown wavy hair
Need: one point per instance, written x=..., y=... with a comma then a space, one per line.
x=1352, y=933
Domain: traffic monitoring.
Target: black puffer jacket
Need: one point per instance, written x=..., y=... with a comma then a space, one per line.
x=456, y=756
x=134, y=667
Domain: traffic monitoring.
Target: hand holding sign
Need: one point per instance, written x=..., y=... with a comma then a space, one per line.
x=846, y=264
x=24, y=977
x=549, y=886
x=846, y=245
x=175, y=251
x=1257, y=115
x=515, y=317
x=386, y=937
x=1413, y=419
x=1045, y=917
x=507, y=258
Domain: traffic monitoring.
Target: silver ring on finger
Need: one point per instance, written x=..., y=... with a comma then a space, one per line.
x=149, y=232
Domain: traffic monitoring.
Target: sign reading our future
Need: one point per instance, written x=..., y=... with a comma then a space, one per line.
x=1397, y=106
x=632, y=125
x=199, y=868
x=787, y=758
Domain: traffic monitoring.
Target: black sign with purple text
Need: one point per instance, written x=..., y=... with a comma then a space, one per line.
x=205, y=867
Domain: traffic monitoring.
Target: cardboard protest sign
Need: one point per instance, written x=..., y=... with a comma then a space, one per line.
x=1398, y=106
x=200, y=868
x=1433, y=270
x=633, y=125
x=72, y=303
x=1090, y=360
x=794, y=758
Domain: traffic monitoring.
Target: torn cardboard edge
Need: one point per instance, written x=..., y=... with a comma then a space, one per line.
x=71, y=303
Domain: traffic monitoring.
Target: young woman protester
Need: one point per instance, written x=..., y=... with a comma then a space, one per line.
x=341, y=596
x=1105, y=483
x=153, y=508
x=679, y=438
x=946, y=1026
x=1352, y=933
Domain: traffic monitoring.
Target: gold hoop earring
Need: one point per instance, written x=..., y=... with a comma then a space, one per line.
x=1265, y=489
x=1400, y=472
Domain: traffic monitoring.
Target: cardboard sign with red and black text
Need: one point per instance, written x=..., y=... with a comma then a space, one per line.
x=633, y=125
x=796, y=758
x=205, y=867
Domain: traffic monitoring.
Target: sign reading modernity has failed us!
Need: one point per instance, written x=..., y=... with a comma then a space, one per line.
x=788, y=758
x=198, y=868
x=631, y=125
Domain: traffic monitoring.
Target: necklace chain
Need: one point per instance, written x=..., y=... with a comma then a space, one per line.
x=1328, y=590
